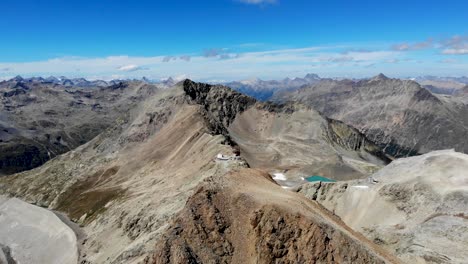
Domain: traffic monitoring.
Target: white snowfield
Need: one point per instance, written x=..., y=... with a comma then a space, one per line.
x=360, y=186
x=35, y=235
x=279, y=177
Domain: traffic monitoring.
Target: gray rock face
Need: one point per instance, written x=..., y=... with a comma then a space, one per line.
x=222, y=104
x=399, y=115
x=30, y=234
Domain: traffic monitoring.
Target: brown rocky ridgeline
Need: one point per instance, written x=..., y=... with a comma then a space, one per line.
x=244, y=217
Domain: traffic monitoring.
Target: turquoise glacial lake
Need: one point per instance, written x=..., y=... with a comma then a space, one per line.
x=316, y=178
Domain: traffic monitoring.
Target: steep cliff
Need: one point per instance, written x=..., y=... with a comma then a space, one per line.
x=221, y=103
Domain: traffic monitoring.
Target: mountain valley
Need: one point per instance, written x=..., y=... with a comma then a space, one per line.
x=185, y=175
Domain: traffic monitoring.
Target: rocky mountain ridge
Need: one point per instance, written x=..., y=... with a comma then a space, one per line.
x=127, y=185
x=399, y=115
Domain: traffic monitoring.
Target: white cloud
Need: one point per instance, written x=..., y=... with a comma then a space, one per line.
x=341, y=59
x=130, y=68
x=257, y=2
x=392, y=61
x=456, y=45
x=169, y=58
x=185, y=58
x=401, y=47
x=460, y=51
x=413, y=46
x=214, y=52
x=250, y=45
x=273, y=64
x=449, y=61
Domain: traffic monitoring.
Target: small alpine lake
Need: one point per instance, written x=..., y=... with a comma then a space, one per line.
x=316, y=178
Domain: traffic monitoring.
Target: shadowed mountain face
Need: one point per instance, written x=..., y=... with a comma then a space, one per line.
x=399, y=115
x=136, y=186
x=40, y=120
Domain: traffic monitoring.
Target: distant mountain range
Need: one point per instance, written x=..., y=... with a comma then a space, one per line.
x=260, y=89
x=462, y=79
x=442, y=85
x=79, y=82
x=264, y=90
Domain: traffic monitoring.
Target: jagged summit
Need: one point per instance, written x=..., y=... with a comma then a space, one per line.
x=17, y=78
x=379, y=77
x=312, y=76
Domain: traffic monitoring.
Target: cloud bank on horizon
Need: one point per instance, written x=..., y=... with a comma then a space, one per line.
x=448, y=57
x=233, y=39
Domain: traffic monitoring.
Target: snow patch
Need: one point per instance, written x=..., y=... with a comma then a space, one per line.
x=279, y=177
x=360, y=186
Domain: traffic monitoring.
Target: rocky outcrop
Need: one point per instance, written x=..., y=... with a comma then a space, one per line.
x=221, y=103
x=351, y=139
x=222, y=223
x=416, y=207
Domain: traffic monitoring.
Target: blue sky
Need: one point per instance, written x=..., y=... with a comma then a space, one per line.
x=233, y=39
